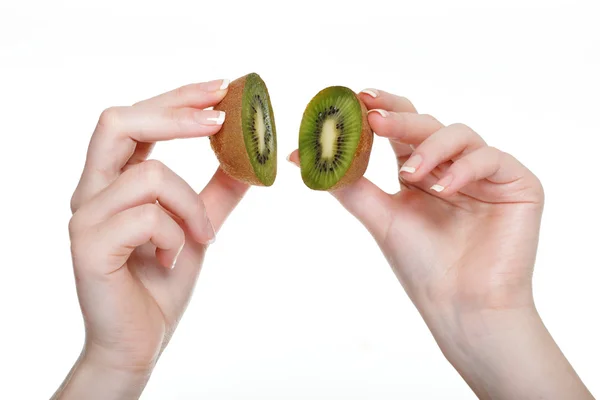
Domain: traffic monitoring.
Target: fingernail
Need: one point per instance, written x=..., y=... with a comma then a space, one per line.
x=177, y=256
x=371, y=92
x=442, y=184
x=216, y=117
x=224, y=84
x=214, y=234
x=412, y=164
x=289, y=159
x=383, y=113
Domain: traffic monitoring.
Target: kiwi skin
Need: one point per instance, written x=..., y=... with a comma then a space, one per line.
x=361, y=156
x=228, y=144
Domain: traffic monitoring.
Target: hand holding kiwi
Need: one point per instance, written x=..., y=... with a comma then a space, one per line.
x=334, y=144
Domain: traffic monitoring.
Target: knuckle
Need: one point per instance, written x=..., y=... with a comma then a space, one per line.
x=539, y=192
x=75, y=225
x=154, y=172
x=465, y=129
x=495, y=155
x=109, y=118
x=464, y=167
x=150, y=214
x=459, y=126
x=75, y=201
x=430, y=117
x=405, y=103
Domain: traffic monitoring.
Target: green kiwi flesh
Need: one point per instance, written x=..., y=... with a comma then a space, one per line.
x=333, y=130
x=258, y=126
x=246, y=145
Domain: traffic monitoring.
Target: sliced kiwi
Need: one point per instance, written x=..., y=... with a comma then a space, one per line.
x=335, y=139
x=246, y=145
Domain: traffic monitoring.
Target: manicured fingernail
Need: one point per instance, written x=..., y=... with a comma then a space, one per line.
x=177, y=256
x=412, y=164
x=371, y=92
x=215, y=118
x=383, y=113
x=224, y=84
x=442, y=184
x=289, y=159
x=214, y=233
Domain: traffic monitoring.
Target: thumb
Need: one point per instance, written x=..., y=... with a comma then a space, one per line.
x=363, y=199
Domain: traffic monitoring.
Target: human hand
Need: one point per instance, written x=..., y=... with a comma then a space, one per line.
x=461, y=236
x=472, y=244
x=139, y=234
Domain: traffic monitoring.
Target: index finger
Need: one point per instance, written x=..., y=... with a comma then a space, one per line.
x=164, y=117
x=196, y=95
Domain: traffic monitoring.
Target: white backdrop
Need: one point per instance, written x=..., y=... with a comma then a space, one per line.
x=295, y=300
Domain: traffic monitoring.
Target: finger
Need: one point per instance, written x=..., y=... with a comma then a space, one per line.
x=363, y=199
x=404, y=127
x=197, y=95
x=375, y=98
x=444, y=145
x=149, y=182
x=121, y=128
x=486, y=163
x=107, y=246
x=220, y=197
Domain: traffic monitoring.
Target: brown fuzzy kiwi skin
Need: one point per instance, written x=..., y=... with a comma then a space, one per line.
x=228, y=144
x=361, y=156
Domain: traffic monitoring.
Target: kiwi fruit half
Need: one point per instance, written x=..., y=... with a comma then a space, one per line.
x=335, y=139
x=246, y=145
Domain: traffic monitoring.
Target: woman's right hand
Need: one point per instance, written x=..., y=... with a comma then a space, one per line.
x=139, y=233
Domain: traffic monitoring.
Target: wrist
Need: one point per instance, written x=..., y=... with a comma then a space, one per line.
x=91, y=378
x=462, y=334
x=505, y=353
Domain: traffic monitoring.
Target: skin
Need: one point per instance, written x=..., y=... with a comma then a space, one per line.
x=464, y=255
x=131, y=219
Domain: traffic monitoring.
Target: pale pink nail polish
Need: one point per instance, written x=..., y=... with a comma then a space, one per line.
x=412, y=164
x=442, y=184
x=224, y=84
x=214, y=233
x=383, y=113
x=210, y=117
x=374, y=93
x=177, y=256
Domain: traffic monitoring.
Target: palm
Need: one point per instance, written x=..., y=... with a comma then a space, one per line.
x=465, y=248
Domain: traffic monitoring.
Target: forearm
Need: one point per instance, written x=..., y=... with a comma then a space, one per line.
x=89, y=380
x=506, y=354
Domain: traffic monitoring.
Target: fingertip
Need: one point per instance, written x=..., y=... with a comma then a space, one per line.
x=381, y=122
x=443, y=187
x=369, y=93
x=166, y=258
x=294, y=158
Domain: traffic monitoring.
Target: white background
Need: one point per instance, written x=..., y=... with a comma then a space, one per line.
x=295, y=300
